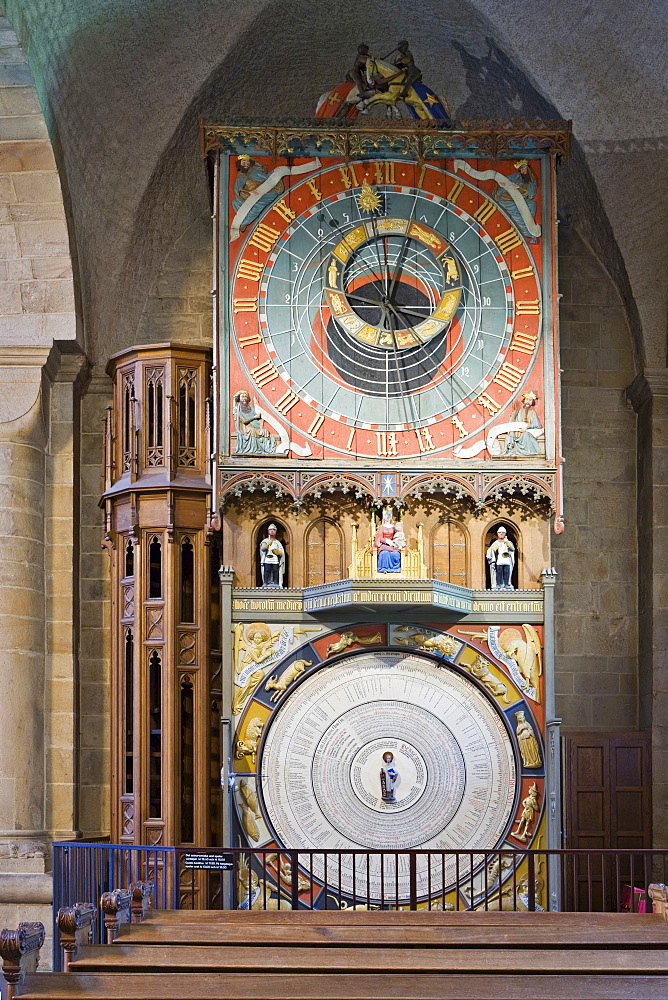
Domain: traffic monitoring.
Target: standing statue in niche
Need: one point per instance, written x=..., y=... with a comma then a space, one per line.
x=389, y=778
x=389, y=542
x=272, y=559
x=501, y=559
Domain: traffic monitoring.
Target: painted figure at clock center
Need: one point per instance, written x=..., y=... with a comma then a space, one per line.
x=389, y=543
x=501, y=558
x=389, y=778
x=272, y=559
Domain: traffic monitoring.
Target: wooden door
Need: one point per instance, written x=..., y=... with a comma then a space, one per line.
x=323, y=553
x=608, y=805
x=448, y=553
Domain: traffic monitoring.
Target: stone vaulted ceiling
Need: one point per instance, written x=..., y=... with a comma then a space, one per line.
x=122, y=83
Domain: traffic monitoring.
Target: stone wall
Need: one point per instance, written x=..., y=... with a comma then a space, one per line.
x=596, y=557
x=179, y=307
x=95, y=637
x=41, y=372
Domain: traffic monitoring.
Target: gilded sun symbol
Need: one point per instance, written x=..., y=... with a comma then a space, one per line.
x=368, y=200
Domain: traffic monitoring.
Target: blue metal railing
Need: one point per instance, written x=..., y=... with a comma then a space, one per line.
x=579, y=880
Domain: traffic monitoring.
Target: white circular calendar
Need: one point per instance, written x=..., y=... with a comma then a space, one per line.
x=388, y=752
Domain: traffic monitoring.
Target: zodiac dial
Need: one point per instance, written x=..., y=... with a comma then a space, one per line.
x=385, y=309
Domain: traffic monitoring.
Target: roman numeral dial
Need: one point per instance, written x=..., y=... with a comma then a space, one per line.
x=384, y=309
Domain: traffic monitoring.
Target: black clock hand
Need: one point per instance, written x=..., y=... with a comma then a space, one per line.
x=410, y=311
x=375, y=244
x=354, y=297
x=411, y=328
x=397, y=269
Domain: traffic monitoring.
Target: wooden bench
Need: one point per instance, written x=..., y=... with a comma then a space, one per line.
x=200, y=986
x=541, y=931
x=389, y=955
x=395, y=959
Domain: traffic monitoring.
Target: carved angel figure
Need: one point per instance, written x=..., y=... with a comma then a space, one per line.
x=257, y=645
x=349, y=639
x=526, y=652
x=241, y=693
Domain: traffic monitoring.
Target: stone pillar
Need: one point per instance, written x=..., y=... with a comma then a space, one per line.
x=23, y=439
x=226, y=574
x=67, y=371
x=552, y=741
x=649, y=395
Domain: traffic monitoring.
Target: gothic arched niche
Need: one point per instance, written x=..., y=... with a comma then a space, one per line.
x=449, y=553
x=283, y=536
x=323, y=553
x=513, y=535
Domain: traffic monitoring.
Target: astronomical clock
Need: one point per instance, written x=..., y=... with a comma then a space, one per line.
x=369, y=607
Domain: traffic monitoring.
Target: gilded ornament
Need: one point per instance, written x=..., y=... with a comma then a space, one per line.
x=368, y=200
x=530, y=810
x=349, y=639
x=248, y=746
x=526, y=652
x=280, y=685
x=250, y=809
x=257, y=645
x=443, y=644
x=242, y=693
x=255, y=893
x=480, y=670
x=527, y=742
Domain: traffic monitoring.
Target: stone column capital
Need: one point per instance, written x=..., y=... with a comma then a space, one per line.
x=651, y=383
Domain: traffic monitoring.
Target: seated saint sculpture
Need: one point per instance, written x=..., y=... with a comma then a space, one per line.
x=389, y=542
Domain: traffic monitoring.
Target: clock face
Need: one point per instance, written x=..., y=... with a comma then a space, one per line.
x=385, y=309
x=387, y=749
